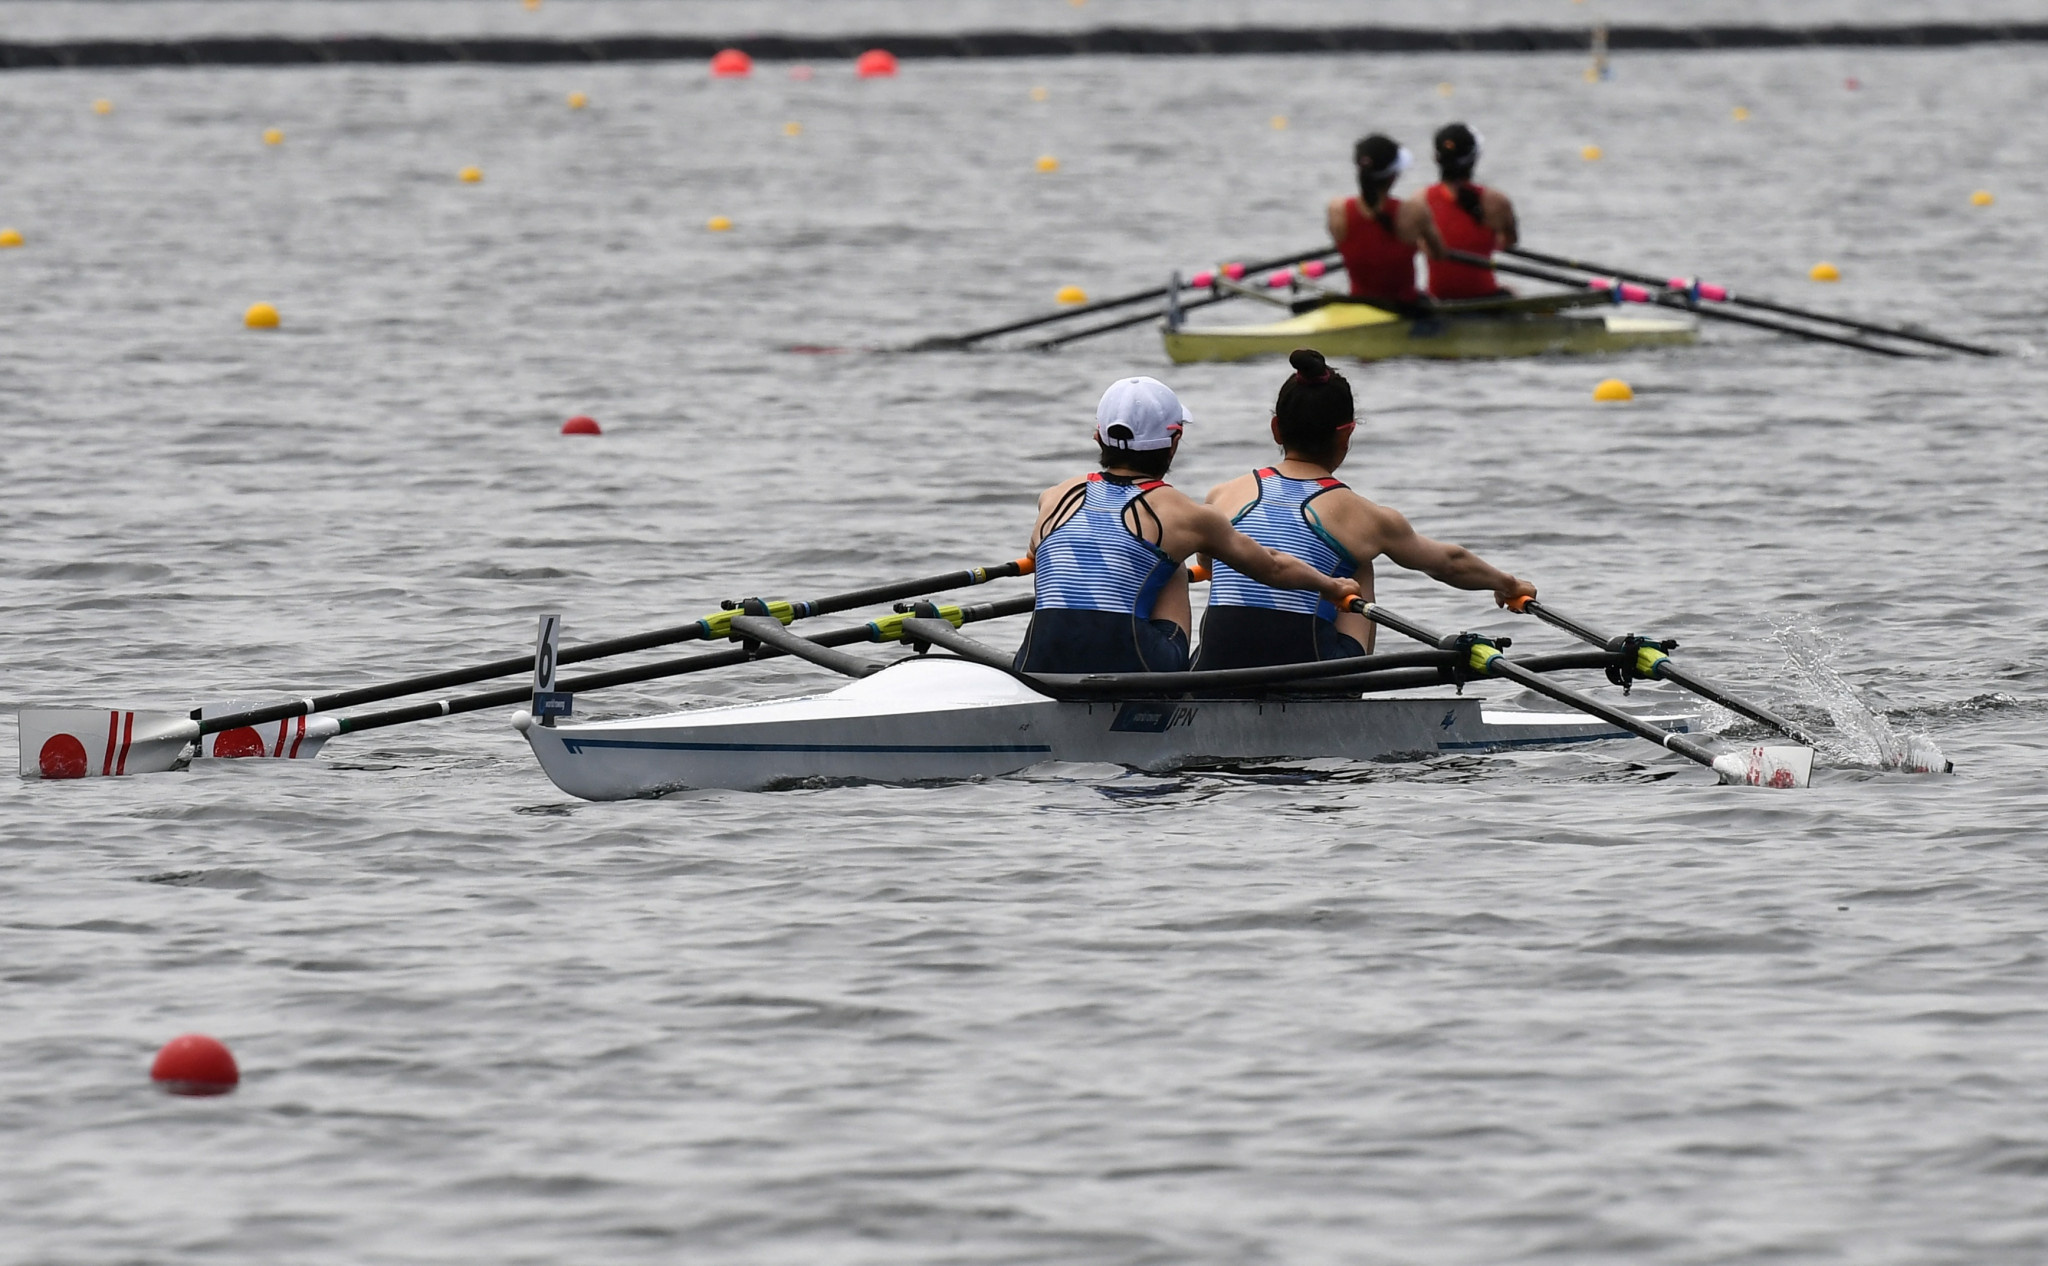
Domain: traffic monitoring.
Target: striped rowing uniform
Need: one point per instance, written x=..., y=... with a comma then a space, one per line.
x=1096, y=582
x=1250, y=625
x=1462, y=225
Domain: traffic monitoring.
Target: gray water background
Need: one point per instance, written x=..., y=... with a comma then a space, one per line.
x=1575, y=1006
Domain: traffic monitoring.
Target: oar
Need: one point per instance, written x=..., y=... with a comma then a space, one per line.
x=956, y=341
x=1760, y=766
x=1722, y=294
x=1651, y=660
x=143, y=742
x=1635, y=294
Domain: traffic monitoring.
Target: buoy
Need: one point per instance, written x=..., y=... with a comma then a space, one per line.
x=718, y=224
x=1072, y=294
x=1824, y=271
x=1445, y=89
x=731, y=63
x=1981, y=198
x=273, y=136
x=1852, y=83
x=9, y=237
x=1741, y=114
x=470, y=175
x=801, y=72
x=531, y=5
x=577, y=101
x=1613, y=389
x=1046, y=162
x=876, y=63
x=1592, y=75
x=103, y=106
x=195, y=1064
x=1039, y=94
x=1278, y=122
x=1234, y=271
x=792, y=128
x=1314, y=268
x=261, y=316
x=1592, y=153
x=580, y=425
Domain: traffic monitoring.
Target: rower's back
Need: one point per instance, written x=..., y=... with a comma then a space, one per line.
x=1469, y=217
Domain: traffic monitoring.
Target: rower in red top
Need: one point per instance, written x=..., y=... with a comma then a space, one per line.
x=1378, y=234
x=1468, y=217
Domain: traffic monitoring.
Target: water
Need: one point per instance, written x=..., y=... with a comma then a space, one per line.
x=1576, y=1006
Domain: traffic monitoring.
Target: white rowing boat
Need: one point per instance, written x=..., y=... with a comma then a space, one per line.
x=936, y=717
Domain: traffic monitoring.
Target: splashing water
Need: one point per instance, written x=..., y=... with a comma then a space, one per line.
x=1865, y=735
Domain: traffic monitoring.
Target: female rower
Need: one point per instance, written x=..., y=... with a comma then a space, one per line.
x=1468, y=217
x=1301, y=507
x=1378, y=234
x=1112, y=596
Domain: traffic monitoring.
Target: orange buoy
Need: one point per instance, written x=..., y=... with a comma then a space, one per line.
x=731, y=63
x=876, y=63
x=195, y=1064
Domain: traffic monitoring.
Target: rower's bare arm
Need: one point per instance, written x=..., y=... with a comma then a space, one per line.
x=1420, y=228
x=1333, y=219
x=1454, y=565
x=1219, y=539
x=1500, y=217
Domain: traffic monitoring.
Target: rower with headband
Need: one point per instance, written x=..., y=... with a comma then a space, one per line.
x=1378, y=234
x=1468, y=217
x=1300, y=506
x=1111, y=590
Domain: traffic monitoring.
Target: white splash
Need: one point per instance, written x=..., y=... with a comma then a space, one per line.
x=1866, y=736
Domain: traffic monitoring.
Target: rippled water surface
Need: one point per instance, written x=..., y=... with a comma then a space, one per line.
x=1576, y=1006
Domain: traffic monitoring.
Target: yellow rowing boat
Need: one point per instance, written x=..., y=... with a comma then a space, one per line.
x=1363, y=332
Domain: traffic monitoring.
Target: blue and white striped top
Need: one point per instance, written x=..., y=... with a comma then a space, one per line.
x=1092, y=562
x=1282, y=517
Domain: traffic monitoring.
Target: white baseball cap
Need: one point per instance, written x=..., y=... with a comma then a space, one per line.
x=1139, y=415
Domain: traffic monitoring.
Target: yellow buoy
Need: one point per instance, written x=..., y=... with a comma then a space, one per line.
x=471, y=175
x=1039, y=94
x=1824, y=271
x=1072, y=294
x=792, y=128
x=273, y=136
x=1592, y=153
x=577, y=101
x=261, y=316
x=1279, y=122
x=531, y=5
x=1592, y=75
x=1613, y=389
x=718, y=224
x=1445, y=89
x=1046, y=162
x=9, y=237
x=1741, y=114
x=103, y=106
x=1981, y=198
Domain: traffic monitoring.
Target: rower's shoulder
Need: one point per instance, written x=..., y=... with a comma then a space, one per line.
x=1235, y=492
x=1061, y=488
x=1494, y=197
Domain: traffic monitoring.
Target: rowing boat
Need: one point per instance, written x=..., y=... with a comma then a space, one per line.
x=1364, y=332
x=936, y=718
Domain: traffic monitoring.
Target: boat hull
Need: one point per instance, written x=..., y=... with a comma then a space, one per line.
x=937, y=718
x=1365, y=333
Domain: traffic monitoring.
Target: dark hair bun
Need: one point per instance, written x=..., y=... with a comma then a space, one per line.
x=1309, y=363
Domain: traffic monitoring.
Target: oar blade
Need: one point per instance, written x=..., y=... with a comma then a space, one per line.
x=1766, y=767
x=293, y=738
x=63, y=743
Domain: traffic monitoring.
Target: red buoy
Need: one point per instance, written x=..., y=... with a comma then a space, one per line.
x=731, y=63
x=195, y=1064
x=580, y=425
x=876, y=63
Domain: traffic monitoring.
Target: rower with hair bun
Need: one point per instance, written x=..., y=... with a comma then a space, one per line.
x=1108, y=548
x=1468, y=217
x=1300, y=507
x=1378, y=234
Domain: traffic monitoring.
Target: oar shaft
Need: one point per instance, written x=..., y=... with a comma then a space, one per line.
x=1648, y=279
x=1123, y=323
x=1665, y=300
x=697, y=630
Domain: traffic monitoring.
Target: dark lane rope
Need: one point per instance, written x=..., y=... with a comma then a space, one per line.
x=278, y=50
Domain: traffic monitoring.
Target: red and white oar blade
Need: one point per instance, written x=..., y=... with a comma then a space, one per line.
x=101, y=742
x=1766, y=767
x=294, y=738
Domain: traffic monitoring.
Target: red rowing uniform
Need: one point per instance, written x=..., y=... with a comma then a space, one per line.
x=1461, y=230
x=1382, y=266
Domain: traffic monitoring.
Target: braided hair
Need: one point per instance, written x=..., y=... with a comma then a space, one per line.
x=1313, y=403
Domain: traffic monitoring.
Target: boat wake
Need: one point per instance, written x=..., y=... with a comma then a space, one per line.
x=1865, y=733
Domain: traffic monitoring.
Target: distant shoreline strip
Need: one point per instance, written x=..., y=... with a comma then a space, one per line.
x=281, y=50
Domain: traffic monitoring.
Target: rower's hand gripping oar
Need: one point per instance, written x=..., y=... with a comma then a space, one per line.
x=57, y=743
x=1757, y=767
x=1646, y=659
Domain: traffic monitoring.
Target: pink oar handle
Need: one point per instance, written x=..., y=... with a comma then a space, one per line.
x=1699, y=289
x=1624, y=291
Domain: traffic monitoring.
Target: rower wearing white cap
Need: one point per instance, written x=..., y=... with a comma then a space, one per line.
x=1377, y=233
x=1469, y=217
x=1300, y=505
x=1112, y=595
